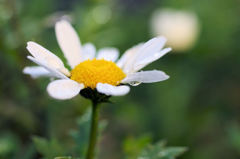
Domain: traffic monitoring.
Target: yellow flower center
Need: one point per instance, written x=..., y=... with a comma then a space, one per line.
x=91, y=72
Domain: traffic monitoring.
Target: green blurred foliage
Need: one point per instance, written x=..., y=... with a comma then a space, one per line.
x=64, y=158
x=49, y=149
x=139, y=144
x=198, y=107
x=159, y=151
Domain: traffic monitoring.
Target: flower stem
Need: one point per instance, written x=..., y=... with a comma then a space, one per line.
x=93, y=133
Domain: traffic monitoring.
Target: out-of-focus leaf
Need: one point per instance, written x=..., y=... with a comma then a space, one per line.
x=48, y=148
x=65, y=157
x=8, y=144
x=41, y=145
x=234, y=136
x=133, y=146
x=102, y=125
x=160, y=151
x=81, y=136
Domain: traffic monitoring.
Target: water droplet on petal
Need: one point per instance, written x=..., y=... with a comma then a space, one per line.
x=134, y=83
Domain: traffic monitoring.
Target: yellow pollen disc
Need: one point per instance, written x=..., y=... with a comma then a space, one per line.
x=91, y=72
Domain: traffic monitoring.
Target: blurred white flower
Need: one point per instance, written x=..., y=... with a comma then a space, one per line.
x=102, y=72
x=181, y=28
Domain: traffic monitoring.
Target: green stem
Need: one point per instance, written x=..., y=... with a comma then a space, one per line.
x=93, y=133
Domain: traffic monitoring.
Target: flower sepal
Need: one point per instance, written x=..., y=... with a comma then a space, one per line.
x=94, y=95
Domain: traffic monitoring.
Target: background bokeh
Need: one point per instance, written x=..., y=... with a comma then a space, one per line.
x=198, y=107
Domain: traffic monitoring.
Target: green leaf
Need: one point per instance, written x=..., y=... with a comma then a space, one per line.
x=41, y=144
x=8, y=144
x=234, y=136
x=65, y=157
x=160, y=151
x=133, y=146
x=172, y=152
x=48, y=148
x=81, y=135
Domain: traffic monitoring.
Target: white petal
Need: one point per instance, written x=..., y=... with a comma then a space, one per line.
x=69, y=42
x=51, y=69
x=139, y=64
x=128, y=66
x=42, y=54
x=37, y=71
x=151, y=47
x=146, y=77
x=64, y=89
x=109, y=54
x=112, y=90
x=88, y=51
x=145, y=51
x=128, y=56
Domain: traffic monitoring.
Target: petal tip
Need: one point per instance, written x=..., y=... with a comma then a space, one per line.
x=63, y=89
x=62, y=22
x=112, y=90
x=25, y=70
x=169, y=49
x=30, y=57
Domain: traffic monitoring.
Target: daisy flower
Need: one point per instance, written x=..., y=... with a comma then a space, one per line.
x=100, y=72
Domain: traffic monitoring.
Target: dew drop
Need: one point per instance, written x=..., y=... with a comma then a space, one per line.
x=134, y=83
